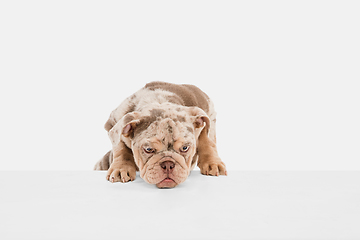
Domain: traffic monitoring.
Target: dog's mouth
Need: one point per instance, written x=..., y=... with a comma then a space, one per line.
x=166, y=183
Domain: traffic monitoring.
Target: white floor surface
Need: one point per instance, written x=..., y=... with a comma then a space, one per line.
x=243, y=205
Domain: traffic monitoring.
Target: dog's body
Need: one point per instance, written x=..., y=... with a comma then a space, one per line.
x=163, y=130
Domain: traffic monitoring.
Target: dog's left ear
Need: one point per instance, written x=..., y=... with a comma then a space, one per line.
x=200, y=119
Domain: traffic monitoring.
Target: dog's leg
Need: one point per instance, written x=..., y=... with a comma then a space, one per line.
x=104, y=163
x=209, y=161
x=123, y=167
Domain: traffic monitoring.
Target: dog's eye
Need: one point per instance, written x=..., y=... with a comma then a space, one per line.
x=149, y=150
x=184, y=148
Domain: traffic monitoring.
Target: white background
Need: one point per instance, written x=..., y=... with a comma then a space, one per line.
x=284, y=77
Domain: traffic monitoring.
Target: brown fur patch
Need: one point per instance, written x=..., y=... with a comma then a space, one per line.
x=145, y=122
x=190, y=95
x=180, y=118
x=157, y=113
x=190, y=129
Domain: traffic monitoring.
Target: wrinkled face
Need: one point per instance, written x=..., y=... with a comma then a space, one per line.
x=164, y=152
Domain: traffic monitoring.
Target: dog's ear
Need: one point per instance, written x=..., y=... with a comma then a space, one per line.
x=200, y=119
x=109, y=124
x=124, y=127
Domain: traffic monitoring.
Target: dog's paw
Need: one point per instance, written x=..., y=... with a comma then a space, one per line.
x=121, y=174
x=213, y=168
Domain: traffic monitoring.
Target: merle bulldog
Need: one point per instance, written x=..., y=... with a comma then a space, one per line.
x=163, y=130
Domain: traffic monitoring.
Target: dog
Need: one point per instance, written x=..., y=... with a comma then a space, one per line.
x=163, y=131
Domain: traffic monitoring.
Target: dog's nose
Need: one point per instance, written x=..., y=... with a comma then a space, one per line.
x=167, y=165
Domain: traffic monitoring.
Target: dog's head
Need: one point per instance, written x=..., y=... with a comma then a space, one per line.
x=163, y=140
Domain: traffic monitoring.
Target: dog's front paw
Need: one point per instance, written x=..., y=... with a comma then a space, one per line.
x=124, y=173
x=213, y=168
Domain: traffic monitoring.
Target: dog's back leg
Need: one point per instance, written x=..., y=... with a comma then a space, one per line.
x=105, y=162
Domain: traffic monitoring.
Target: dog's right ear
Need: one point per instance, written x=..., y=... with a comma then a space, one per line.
x=125, y=127
x=109, y=124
